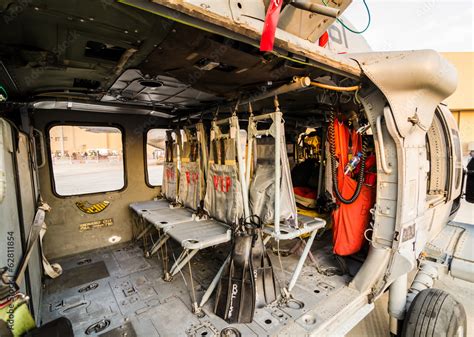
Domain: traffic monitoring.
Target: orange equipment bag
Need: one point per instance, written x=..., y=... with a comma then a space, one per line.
x=350, y=220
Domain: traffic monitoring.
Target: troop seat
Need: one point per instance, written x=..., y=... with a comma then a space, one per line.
x=138, y=209
x=188, y=184
x=225, y=193
x=150, y=205
x=166, y=217
x=196, y=235
x=271, y=190
x=306, y=225
x=156, y=210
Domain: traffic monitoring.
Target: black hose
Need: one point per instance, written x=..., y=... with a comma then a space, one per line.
x=332, y=150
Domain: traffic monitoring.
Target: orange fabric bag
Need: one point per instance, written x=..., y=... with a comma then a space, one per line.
x=350, y=220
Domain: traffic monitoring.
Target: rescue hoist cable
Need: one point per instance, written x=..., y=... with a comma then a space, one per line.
x=332, y=150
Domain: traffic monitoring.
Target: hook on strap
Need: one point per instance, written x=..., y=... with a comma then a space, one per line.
x=236, y=108
x=250, y=109
x=216, y=113
x=276, y=103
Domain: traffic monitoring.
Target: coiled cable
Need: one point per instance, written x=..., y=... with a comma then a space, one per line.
x=332, y=150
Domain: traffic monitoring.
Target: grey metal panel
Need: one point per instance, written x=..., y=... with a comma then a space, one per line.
x=305, y=24
x=9, y=217
x=28, y=201
x=454, y=246
x=321, y=304
x=213, y=16
x=414, y=83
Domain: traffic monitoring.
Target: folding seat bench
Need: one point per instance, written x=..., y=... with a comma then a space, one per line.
x=169, y=188
x=138, y=208
x=190, y=187
x=226, y=198
x=271, y=194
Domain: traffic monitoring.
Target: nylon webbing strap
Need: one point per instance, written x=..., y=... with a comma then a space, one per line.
x=52, y=270
x=37, y=230
x=201, y=136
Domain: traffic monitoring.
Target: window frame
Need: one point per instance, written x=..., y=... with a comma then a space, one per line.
x=145, y=155
x=91, y=124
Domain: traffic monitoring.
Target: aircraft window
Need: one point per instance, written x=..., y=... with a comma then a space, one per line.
x=86, y=159
x=155, y=156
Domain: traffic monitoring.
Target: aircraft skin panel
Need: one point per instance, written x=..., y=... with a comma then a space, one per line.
x=204, y=17
x=11, y=251
x=28, y=200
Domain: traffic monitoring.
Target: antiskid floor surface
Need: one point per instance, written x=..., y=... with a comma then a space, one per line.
x=118, y=292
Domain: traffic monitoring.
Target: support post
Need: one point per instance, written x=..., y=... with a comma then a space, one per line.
x=397, y=299
x=143, y=232
x=178, y=265
x=301, y=261
x=213, y=284
x=243, y=182
x=277, y=125
x=157, y=245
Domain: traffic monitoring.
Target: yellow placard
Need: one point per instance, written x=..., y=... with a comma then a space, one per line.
x=92, y=208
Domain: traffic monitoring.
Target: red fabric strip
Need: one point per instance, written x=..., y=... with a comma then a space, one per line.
x=269, y=27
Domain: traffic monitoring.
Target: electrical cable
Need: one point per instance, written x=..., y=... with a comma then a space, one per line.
x=350, y=29
x=332, y=150
x=5, y=92
x=335, y=88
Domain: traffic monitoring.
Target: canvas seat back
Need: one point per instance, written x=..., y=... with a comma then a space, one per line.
x=192, y=172
x=261, y=166
x=171, y=165
x=224, y=200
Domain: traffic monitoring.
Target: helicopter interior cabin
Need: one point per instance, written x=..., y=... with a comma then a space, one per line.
x=146, y=153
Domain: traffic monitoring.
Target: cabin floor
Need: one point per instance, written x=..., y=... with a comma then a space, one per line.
x=124, y=291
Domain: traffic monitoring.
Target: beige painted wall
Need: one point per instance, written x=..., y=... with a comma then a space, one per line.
x=78, y=139
x=461, y=103
x=463, y=97
x=465, y=120
x=64, y=236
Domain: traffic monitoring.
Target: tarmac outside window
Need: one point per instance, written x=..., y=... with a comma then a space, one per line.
x=155, y=156
x=86, y=159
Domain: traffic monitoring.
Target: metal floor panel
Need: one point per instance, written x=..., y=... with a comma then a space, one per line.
x=79, y=275
x=121, y=331
x=134, y=296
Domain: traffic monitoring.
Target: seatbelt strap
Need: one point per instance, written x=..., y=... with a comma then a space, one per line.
x=37, y=230
x=52, y=270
